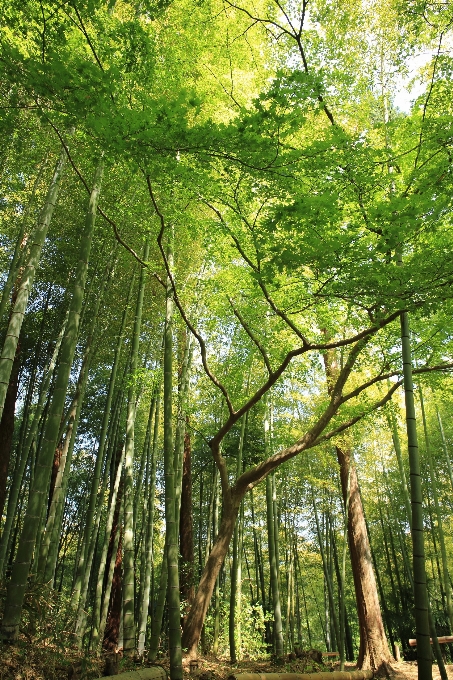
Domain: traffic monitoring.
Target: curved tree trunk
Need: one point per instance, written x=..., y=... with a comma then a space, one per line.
x=373, y=652
x=195, y=619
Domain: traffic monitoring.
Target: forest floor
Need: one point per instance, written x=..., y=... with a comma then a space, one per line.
x=37, y=662
x=211, y=668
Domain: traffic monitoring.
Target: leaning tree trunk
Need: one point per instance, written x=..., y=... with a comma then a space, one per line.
x=18, y=583
x=197, y=614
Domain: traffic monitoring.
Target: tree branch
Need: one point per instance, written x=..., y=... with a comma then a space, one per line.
x=251, y=335
x=189, y=325
x=100, y=211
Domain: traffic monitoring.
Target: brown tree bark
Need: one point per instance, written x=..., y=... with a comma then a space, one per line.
x=7, y=427
x=232, y=496
x=374, y=651
x=55, y=468
x=112, y=628
x=194, y=623
x=186, y=529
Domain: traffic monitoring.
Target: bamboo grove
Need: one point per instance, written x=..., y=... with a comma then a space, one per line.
x=226, y=307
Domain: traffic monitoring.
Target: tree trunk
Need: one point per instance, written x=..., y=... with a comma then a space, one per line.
x=112, y=628
x=373, y=651
x=195, y=619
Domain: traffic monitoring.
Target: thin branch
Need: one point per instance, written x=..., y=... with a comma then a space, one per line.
x=100, y=211
x=189, y=325
x=391, y=374
x=235, y=239
x=353, y=421
x=428, y=97
x=282, y=314
x=85, y=33
x=252, y=336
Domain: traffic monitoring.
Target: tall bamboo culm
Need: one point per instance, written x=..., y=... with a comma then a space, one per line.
x=128, y=549
x=18, y=583
x=23, y=293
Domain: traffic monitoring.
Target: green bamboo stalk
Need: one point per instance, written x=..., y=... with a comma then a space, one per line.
x=171, y=525
x=444, y=446
x=128, y=545
x=418, y=554
x=181, y=419
x=21, y=249
x=397, y=446
x=278, y=629
x=151, y=492
x=326, y=570
x=101, y=603
x=144, y=461
x=215, y=642
x=236, y=559
x=56, y=509
x=141, y=501
x=92, y=521
x=18, y=583
x=298, y=576
x=443, y=550
x=343, y=576
x=25, y=453
x=156, y=623
x=23, y=293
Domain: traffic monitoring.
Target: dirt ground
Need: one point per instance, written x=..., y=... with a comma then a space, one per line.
x=218, y=669
x=408, y=671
